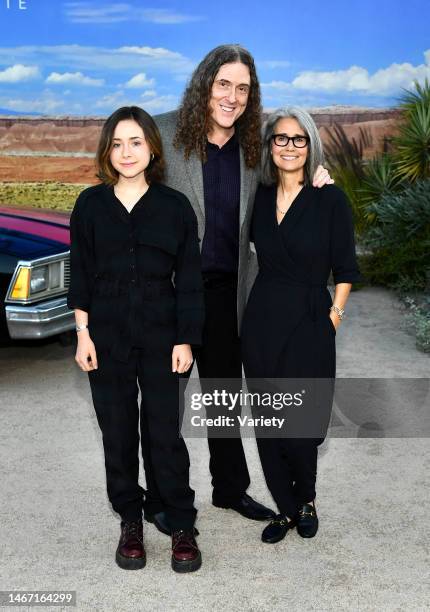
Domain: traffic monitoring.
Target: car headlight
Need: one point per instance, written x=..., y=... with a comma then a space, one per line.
x=39, y=279
x=55, y=275
x=21, y=286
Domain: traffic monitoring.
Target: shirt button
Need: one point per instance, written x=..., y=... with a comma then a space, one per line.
x=133, y=280
x=132, y=266
x=131, y=250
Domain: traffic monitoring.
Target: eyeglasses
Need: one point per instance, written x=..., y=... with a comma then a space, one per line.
x=282, y=140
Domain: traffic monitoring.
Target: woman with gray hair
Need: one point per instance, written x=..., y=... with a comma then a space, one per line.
x=301, y=234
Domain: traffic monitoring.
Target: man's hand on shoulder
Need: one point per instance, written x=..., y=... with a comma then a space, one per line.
x=322, y=177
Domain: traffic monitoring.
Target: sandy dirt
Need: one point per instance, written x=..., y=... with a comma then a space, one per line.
x=50, y=150
x=62, y=169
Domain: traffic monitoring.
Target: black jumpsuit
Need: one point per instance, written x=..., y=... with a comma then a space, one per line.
x=122, y=266
x=286, y=331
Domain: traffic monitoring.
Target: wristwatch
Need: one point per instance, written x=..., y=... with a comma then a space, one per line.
x=81, y=327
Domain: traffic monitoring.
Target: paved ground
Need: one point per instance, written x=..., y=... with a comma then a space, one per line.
x=57, y=531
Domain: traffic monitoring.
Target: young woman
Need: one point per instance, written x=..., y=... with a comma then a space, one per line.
x=301, y=234
x=136, y=289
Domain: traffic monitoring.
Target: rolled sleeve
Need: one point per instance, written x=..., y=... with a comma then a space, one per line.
x=188, y=282
x=81, y=259
x=343, y=257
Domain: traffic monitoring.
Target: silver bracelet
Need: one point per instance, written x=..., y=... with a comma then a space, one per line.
x=339, y=311
x=81, y=327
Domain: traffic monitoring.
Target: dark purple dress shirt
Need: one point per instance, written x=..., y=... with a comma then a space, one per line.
x=221, y=186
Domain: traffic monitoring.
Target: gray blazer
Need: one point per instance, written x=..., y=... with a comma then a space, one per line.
x=187, y=176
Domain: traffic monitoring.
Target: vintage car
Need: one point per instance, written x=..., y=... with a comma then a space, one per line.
x=34, y=273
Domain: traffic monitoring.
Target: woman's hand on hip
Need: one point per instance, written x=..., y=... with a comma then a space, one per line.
x=182, y=358
x=86, y=357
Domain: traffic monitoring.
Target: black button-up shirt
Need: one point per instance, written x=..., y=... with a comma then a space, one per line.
x=221, y=185
x=137, y=274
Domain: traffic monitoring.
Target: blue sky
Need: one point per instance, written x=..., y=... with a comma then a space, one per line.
x=90, y=57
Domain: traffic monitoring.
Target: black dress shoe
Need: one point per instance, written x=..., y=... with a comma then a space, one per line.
x=248, y=508
x=307, y=522
x=162, y=524
x=159, y=519
x=277, y=529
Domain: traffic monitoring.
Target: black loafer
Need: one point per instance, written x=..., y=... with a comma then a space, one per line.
x=277, y=529
x=307, y=521
x=247, y=507
x=160, y=521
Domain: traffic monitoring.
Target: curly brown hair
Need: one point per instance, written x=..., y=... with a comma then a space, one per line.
x=155, y=170
x=194, y=118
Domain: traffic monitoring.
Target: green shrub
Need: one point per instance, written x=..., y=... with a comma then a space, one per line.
x=399, y=239
x=345, y=162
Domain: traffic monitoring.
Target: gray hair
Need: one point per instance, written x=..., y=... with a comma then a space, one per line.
x=269, y=172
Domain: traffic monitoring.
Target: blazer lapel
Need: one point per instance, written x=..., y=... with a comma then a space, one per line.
x=194, y=170
x=246, y=178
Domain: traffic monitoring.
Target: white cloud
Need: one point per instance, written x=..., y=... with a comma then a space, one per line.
x=161, y=104
x=111, y=101
x=18, y=73
x=45, y=104
x=165, y=16
x=139, y=81
x=73, y=78
x=85, y=12
x=352, y=79
x=277, y=85
x=151, y=93
x=154, y=53
x=356, y=79
x=149, y=100
x=79, y=57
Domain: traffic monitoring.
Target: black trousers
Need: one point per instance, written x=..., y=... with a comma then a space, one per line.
x=290, y=470
x=114, y=387
x=219, y=357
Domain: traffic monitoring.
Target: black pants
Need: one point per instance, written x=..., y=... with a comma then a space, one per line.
x=220, y=358
x=290, y=470
x=115, y=395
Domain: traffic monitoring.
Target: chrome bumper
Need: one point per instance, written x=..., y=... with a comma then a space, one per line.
x=39, y=320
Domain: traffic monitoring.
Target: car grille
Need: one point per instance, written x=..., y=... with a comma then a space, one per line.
x=67, y=273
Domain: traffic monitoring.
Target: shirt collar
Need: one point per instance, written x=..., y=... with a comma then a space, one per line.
x=230, y=145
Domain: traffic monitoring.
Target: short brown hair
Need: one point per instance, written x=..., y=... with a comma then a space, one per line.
x=105, y=171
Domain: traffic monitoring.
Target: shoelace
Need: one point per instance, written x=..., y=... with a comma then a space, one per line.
x=183, y=536
x=132, y=528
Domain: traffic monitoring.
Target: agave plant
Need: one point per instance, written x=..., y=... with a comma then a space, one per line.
x=412, y=145
x=379, y=179
x=410, y=98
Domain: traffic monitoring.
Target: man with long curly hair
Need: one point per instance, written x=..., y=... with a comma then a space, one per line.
x=212, y=147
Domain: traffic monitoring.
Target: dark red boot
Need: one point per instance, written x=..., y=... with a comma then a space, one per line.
x=186, y=556
x=130, y=553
